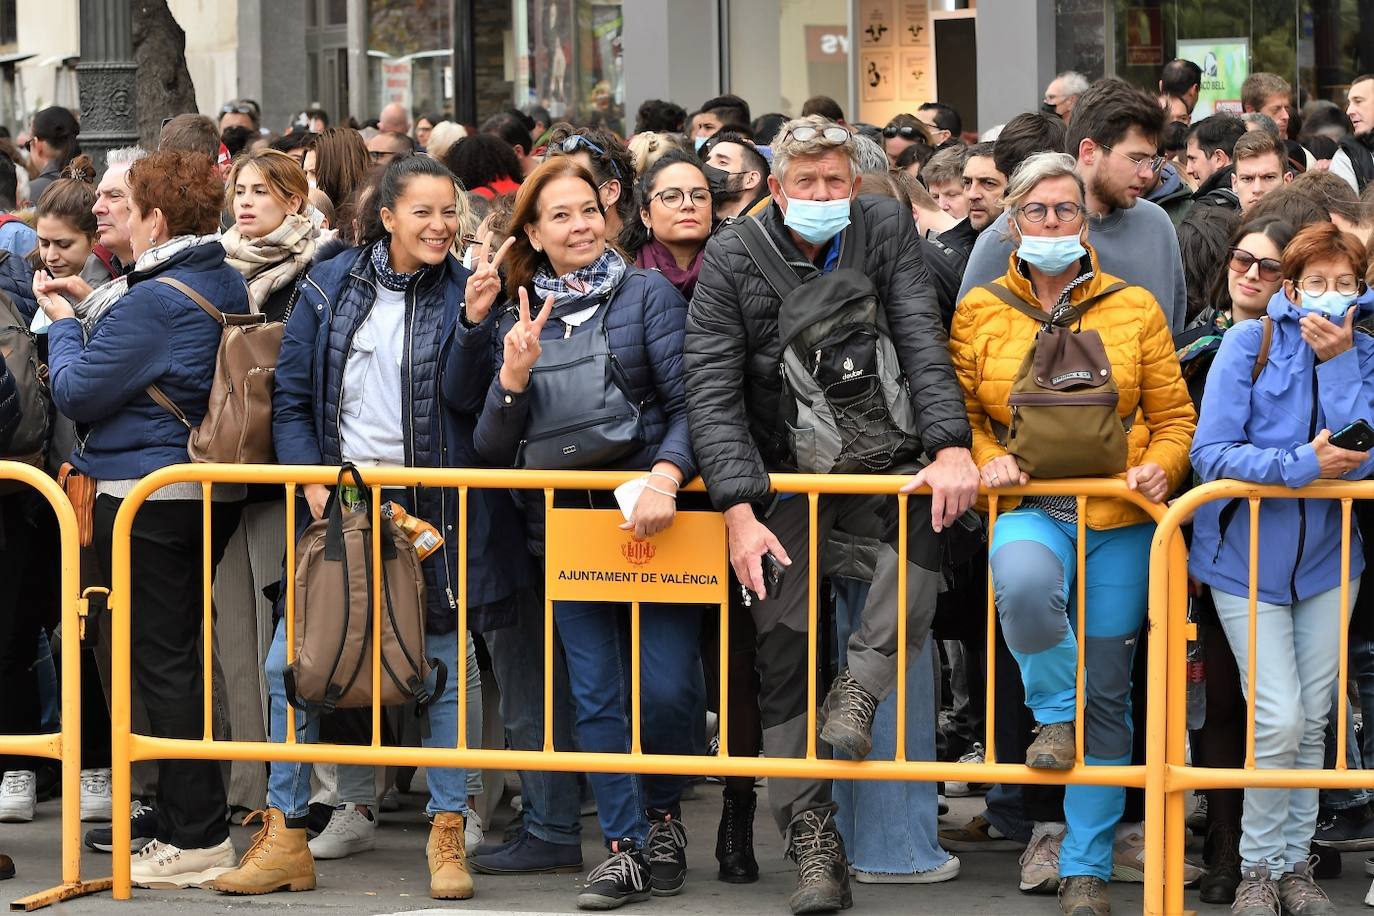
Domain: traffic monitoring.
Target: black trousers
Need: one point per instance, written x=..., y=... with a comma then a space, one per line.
x=20, y=622
x=166, y=600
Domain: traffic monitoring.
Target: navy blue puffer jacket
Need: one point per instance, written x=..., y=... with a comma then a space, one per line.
x=153, y=334
x=336, y=297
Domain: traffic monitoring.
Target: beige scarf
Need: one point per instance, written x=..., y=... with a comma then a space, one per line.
x=273, y=261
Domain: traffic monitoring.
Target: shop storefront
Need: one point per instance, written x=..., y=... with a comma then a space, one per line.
x=569, y=59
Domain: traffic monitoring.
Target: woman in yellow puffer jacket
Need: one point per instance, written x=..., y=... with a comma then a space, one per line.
x=1033, y=551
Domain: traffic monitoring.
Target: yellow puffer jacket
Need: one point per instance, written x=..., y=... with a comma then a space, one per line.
x=989, y=340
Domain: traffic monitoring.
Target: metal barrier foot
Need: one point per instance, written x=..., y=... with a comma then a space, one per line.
x=60, y=893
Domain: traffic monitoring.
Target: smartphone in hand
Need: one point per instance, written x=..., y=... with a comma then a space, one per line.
x=1357, y=437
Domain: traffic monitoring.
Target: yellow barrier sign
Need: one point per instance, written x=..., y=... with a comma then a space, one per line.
x=589, y=558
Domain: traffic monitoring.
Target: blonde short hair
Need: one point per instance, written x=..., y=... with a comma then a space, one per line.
x=442, y=136
x=1036, y=168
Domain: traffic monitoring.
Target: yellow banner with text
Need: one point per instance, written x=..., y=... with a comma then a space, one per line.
x=589, y=558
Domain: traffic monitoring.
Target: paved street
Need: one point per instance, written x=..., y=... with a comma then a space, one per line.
x=392, y=879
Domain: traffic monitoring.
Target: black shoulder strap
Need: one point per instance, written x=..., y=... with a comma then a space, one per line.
x=852, y=247
x=765, y=254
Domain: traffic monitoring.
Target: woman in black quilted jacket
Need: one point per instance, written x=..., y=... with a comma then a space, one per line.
x=629, y=413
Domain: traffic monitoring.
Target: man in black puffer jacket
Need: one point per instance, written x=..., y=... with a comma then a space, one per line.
x=735, y=398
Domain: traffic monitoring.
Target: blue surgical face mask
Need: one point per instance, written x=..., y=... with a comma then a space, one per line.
x=699, y=142
x=1330, y=303
x=817, y=221
x=1051, y=254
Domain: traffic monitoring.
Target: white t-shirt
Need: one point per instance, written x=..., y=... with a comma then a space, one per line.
x=370, y=426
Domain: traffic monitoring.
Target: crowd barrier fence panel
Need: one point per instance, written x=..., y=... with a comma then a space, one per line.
x=64, y=745
x=688, y=564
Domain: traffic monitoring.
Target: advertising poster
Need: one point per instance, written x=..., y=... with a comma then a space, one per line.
x=1144, y=37
x=877, y=77
x=1225, y=64
x=913, y=24
x=876, y=24
x=917, y=76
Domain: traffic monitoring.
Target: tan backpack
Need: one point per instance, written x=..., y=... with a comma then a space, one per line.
x=333, y=614
x=1063, y=403
x=237, y=428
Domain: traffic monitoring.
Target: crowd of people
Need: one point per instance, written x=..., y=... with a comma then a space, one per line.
x=1102, y=287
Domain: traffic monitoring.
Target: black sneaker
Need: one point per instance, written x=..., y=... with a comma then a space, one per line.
x=667, y=853
x=143, y=829
x=1350, y=830
x=623, y=878
x=847, y=717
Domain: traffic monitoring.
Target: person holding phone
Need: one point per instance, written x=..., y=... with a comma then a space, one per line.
x=1277, y=391
x=542, y=411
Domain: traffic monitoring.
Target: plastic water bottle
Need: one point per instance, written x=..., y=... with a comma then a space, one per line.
x=1197, y=684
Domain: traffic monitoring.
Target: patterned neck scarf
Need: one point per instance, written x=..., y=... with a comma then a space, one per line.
x=388, y=276
x=93, y=307
x=591, y=282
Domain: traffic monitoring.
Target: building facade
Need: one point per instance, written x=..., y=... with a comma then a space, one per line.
x=597, y=60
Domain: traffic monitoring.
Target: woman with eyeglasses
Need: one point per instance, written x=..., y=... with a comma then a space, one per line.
x=1279, y=392
x=674, y=222
x=1251, y=276
x=1053, y=280
x=540, y=410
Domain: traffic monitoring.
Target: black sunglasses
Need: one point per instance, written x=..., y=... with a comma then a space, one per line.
x=906, y=133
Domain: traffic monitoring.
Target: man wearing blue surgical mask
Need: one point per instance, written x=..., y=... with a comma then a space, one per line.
x=736, y=408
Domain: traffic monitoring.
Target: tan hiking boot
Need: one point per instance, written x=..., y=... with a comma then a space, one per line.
x=448, y=864
x=1052, y=748
x=279, y=859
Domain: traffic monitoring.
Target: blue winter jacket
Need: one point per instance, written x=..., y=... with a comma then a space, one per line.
x=335, y=299
x=1262, y=433
x=153, y=334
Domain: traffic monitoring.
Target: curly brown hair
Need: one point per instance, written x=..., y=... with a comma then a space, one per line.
x=181, y=184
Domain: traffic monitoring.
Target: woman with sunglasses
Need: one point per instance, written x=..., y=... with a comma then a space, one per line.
x=901, y=132
x=674, y=222
x=599, y=311
x=1054, y=273
x=1278, y=392
x=601, y=153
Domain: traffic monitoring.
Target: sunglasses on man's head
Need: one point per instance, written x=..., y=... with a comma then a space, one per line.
x=834, y=133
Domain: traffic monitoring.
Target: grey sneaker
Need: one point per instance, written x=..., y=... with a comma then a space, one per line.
x=847, y=717
x=1052, y=748
x=1257, y=894
x=1300, y=895
x=1084, y=895
x=1040, y=864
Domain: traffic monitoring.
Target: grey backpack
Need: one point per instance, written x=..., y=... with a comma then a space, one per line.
x=846, y=407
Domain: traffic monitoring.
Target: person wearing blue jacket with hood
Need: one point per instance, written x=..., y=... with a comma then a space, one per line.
x=1270, y=421
x=103, y=354
x=541, y=411
x=359, y=380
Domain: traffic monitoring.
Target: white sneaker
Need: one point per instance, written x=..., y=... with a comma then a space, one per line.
x=96, y=803
x=18, y=796
x=947, y=871
x=349, y=831
x=472, y=831
x=163, y=865
x=958, y=789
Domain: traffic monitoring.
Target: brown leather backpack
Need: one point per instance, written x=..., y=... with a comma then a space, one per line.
x=332, y=665
x=237, y=428
x=1063, y=403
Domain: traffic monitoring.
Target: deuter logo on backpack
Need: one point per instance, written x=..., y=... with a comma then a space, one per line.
x=846, y=407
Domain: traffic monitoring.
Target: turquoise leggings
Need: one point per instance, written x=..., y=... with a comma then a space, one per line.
x=1034, y=559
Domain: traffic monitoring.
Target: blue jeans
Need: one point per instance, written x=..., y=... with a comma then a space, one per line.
x=288, y=784
x=889, y=827
x=596, y=641
x=1295, y=672
x=552, y=801
x=1033, y=559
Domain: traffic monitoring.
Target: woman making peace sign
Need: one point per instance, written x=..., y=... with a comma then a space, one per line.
x=594, y=380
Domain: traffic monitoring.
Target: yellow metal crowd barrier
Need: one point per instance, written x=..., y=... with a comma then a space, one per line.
x=1169, y=590
x=688, y=563
x=65, y=745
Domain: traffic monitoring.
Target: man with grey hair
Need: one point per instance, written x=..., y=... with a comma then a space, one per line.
x=736, y=409
x=1061, y=95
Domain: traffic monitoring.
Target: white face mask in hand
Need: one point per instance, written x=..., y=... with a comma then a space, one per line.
x=41, y=322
